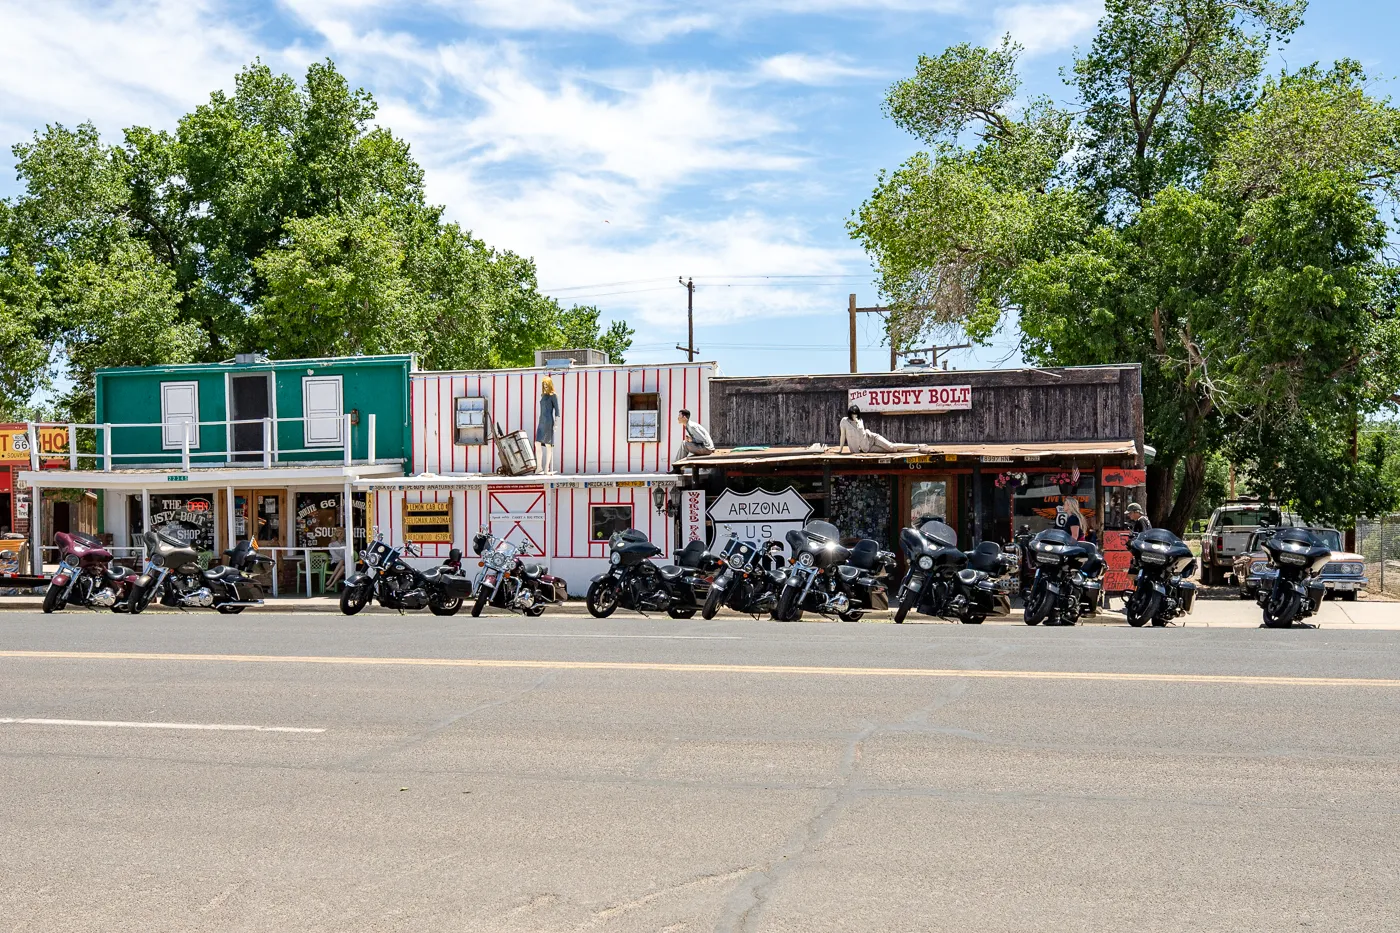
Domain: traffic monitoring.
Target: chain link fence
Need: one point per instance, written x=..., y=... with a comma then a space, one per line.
x=1379, y=543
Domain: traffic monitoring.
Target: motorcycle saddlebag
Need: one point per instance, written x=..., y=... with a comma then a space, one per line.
x=1317, y=591
x=1091, y=599
x=1188, y=596
x=457, y=585
x=877, y=596
x=247, y=591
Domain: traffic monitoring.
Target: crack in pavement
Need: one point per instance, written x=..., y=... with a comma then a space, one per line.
x=649, y=897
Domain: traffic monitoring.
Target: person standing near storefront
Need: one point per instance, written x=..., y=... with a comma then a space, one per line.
x=860, y=440
x=695, y=440
x=1137, y=522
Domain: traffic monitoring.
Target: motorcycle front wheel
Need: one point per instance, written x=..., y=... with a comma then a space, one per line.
x=1143, y=607
x=712, y=603
x=788, y=610
x=53, y=599
x=230, y=610
x=1039, y=603
x=675, y=613
x=353, y=598
x=602, y=598
x=139, y=599
x=1279, y=611
x=907, y=599
x=972, y=618
x=483, y=596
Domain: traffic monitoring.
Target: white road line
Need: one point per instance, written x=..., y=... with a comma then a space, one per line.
x=207, y=727
x=603, y=635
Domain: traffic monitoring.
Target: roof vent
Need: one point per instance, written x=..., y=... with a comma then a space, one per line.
x=562, y=358
x=248, y=359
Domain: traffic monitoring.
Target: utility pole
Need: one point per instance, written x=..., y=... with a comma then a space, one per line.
x=689, y=348
x=894, y=354
x=854, y=366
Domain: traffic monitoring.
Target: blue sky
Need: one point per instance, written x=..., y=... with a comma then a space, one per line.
x=621, y=143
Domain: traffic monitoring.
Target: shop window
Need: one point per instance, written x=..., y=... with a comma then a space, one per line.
x=928, y=501
x=606, y=520
x=318, y=518
x=179, y=413
x=323, y=420
x=643, y=416
x=1038, y=499
x=469, y=420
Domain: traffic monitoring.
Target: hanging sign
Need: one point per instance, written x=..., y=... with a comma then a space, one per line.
x=427, y=522
x=759, y=516
x=909, y=401
x=14, y=442
x=692, y=515
x=1114, y=476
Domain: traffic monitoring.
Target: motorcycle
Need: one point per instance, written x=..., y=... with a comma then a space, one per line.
x=396, y=585
x=1025, y=562
x=1296, y=593
x=1161, y=564
x=1068, y=579
x=633, y=582
x=172, y=571
x=749, y=578
x=946, y=582
x=829, y=579
x=86, y=576
x=508, y=581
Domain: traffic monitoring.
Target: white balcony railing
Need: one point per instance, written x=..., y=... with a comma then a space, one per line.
x=103, y=455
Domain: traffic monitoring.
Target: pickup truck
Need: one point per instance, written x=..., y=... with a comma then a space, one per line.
x=1228, y=535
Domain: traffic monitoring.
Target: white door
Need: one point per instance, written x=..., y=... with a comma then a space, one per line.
x=321, y=408
x=179, y=406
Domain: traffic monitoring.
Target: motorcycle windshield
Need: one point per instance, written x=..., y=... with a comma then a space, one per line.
x=825, y=531
x=939, y=533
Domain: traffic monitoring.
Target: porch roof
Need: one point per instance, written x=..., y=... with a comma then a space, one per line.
x=457, y=480
x=820, y=454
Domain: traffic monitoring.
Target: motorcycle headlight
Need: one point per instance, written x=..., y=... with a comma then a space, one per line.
x=806, y=559
x=925, y=562
x=736, y=561
x=1286, y=557
x=616, y=558
x=1150, y=557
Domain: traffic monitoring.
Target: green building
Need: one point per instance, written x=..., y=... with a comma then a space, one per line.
x=218, y=452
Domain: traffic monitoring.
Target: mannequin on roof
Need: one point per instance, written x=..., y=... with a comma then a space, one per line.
x=544, y=426
x=862, y=441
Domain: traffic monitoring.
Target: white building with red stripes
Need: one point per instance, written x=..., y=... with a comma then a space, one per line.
x=615, y=437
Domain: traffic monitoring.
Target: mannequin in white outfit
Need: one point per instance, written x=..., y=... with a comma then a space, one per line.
x=861, y=441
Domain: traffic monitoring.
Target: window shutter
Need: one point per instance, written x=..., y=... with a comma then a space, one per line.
x=322, y=411
x=179, y=406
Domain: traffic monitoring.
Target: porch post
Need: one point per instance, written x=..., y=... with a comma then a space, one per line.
x=107, y=447
x=232, y=526
x=72, y=446
x=33, y=447
x=369, y=448
x=145, y=516
x=349, y=448
x=347, y=522
x=267, y=443
x=36, y=522
x=977, y=502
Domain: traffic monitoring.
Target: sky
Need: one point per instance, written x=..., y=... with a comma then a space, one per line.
x=620, y=143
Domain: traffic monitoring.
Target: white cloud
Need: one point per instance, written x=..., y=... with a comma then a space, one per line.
x=1048, y=27
x=802, y=68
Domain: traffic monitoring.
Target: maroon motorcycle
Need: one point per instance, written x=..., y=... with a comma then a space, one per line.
x=86, y=576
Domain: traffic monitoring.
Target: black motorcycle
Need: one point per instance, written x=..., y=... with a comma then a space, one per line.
x=634, y=582
x=830, y=579
x=508, y=581
x=389, y=579
x=1296, y=593
x=949, y=583
x=1068, y=579
x=1025, y=562
x=1161, y=564
x=172, y=571
x=749, y=578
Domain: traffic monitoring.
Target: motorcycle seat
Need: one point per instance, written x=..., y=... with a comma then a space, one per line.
x=531, y=570
x=432, y=573
x=865, y=554
x=219, y=572
x=985, y=557
x=116, y=572
x=848, y=573
x=671, y=572
x=970, y=577
x=692, y=556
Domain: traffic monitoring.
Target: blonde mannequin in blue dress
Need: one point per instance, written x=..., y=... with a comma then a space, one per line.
x=544, y=426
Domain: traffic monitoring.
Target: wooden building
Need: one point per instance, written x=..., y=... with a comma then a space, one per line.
x=997, y=449
x=615, y=435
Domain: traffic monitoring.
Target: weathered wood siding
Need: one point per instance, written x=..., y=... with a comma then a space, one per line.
x=1008, y=406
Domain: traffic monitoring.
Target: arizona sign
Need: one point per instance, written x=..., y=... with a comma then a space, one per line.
x=908, y=401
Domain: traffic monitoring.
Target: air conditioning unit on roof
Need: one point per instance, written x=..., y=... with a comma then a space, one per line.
x=562, y=358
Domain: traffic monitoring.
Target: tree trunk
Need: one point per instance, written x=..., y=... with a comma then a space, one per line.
x=1193, y=482
x=1160, y=486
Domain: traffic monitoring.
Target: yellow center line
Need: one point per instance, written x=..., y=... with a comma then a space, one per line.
x=664, y=667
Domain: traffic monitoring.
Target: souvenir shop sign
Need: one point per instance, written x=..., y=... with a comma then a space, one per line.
x=14, y=442
x=759, y=515
x=427, y=522
x=1113, y=476
x=185, y=518
x=910, y=401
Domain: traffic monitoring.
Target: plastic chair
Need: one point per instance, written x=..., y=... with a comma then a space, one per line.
x=320, y=567
x=206, y=558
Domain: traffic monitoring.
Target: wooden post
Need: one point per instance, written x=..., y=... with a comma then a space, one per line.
x=33, y=447
x=72, y=446
x=232, y=519
x=345, y=426
x=854, y=363
x=107, y=447
x=977, y=502
x=267, y=446
x=36, y=522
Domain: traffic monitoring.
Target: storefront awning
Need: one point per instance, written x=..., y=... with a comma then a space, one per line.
x=208, y=478
x=819, y=454
x=553, y=480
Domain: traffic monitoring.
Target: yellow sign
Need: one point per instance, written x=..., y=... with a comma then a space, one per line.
x=427, y=522
x=14, y=442
x=626, y=483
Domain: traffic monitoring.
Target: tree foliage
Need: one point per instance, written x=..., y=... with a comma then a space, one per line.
x=278, y=218
x=1226, y=231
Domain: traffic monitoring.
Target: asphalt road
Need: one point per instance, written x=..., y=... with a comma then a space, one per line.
x=569, y=774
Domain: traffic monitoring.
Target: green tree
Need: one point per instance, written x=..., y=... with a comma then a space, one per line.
x=277, y=218
x=1224, y=231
